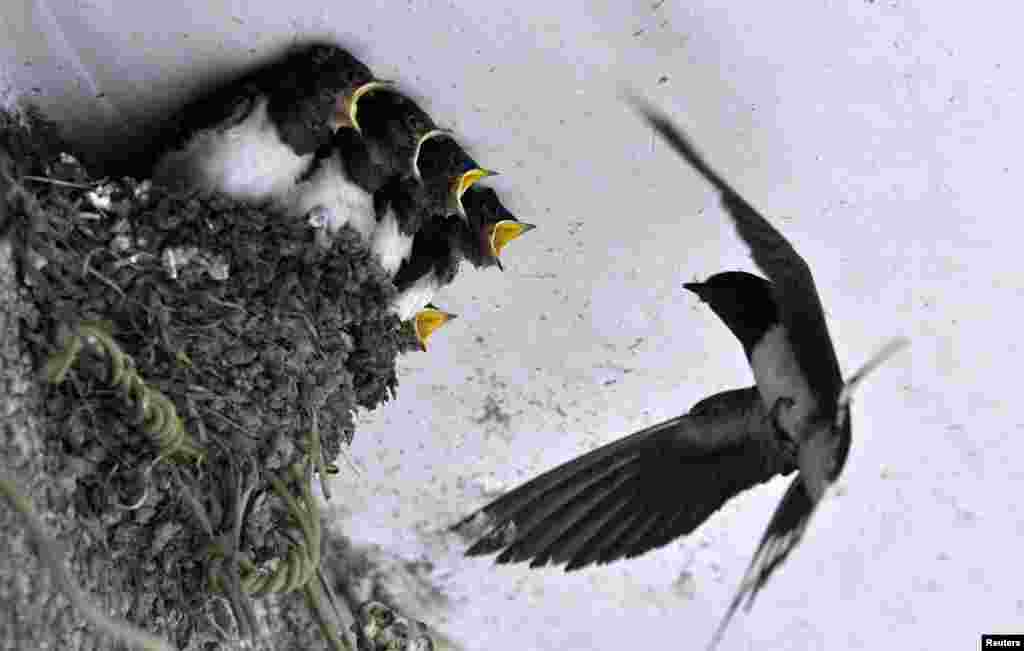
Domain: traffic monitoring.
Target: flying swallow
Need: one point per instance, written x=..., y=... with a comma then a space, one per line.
x=794, y=364
x=647, y=489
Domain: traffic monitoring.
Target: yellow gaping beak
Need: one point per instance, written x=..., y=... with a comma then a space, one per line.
x=464, y=182
x=433, y=133
x=427, y=321
x=347, y=110
x=504, y=232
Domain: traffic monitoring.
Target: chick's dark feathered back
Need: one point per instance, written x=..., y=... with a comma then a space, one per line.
x=433, y=251
x=301, y=88
x=392, y=126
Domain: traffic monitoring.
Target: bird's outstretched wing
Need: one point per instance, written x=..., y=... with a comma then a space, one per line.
x=800, y=308
x=637, y=493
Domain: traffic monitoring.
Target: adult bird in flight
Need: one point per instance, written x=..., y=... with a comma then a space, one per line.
x=647, y=489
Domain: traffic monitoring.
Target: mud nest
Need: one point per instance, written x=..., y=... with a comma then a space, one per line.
x=253, y=331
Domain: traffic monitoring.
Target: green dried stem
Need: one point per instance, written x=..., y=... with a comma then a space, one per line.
x=299, y=569
x=160, y=418
x=300, y=565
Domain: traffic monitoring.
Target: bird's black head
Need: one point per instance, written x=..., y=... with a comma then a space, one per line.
x=743, y=301
x=315, y=91
x=489, y=227
x=395, y=129
x=448, y=171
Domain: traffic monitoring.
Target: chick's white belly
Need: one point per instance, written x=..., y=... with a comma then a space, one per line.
x=248, y=162
x=339, y=201
x=415, y=297
x=390, y=246
x=779, y=376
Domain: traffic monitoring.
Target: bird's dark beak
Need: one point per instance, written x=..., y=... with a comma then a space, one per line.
x=700, y=289
x=346, y=112
x=427, y=321
x=504, y=232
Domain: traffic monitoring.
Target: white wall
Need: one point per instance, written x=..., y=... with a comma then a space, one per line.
x=883, y=136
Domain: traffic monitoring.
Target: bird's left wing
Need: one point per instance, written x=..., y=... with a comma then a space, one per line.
x=638, y=493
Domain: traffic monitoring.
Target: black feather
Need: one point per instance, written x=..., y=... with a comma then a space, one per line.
x=666, y=480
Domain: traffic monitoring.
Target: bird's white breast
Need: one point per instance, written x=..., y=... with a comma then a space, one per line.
x=778, y=375
x=415, y=297
x=389, y=244
x=248, y=161
x=335, y=196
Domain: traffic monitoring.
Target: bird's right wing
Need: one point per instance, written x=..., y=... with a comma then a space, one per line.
x=800, y=306
x=638, y=493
